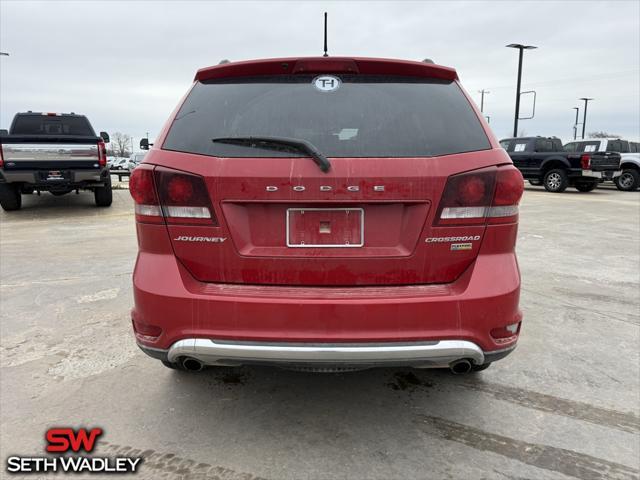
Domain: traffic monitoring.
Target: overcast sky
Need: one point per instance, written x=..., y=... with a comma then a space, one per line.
x=127, y=64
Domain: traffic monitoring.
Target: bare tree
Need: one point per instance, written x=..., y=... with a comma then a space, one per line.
x=121, y=144
x=603, y=135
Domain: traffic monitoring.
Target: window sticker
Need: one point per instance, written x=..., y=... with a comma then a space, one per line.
x=326, y=83
x=519, y=147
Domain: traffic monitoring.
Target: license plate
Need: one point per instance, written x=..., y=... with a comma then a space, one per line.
x=591, y=173
x=325, y=227
x=55, y=175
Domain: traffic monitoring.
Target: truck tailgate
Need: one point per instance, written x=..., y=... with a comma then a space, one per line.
x=20, y=156
x=605, y=161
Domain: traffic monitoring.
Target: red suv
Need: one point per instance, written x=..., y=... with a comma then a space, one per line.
x=327, y=214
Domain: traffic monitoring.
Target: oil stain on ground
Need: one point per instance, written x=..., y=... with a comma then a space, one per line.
x=407, y=381
x=233, y=377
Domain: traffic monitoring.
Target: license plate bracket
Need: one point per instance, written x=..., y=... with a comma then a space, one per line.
x=325, y=227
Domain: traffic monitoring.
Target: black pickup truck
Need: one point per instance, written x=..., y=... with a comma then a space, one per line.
x=543, y=161
x=52, y=152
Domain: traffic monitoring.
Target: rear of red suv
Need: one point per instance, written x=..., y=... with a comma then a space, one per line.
x=328, y=214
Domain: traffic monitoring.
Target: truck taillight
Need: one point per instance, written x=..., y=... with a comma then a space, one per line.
x=102, y=153
x=585, y=162
x=1, y=157
x=177, y=197
x=490, y=194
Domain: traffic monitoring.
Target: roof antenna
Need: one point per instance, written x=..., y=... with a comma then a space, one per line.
x=325, y=35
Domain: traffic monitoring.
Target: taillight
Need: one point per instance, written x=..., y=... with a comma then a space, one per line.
x=585, y=162
x=1, y=157
x=473, y=197
x=509, y=190
x=181, y=198
x=184, y=197
x=143, y=192
x=102, y=153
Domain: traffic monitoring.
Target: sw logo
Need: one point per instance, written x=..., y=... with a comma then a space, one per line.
x=64, y=440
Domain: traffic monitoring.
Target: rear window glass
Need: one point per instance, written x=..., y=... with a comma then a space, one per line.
x=366, y=116
x=51, y=125
x=621, y=146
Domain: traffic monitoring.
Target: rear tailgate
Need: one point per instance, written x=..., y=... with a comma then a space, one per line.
x=604, y=161
x=394, y=137
x=277, y=237
x=21, y=152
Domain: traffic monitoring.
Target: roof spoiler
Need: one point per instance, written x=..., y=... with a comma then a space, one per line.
x=291, y=66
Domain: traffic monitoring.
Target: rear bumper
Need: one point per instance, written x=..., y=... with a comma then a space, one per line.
x=250, y=323
x=76, y=177
x=434, y=354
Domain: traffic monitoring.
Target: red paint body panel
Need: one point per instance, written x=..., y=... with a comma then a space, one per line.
x=485, y=297
x=397, y=287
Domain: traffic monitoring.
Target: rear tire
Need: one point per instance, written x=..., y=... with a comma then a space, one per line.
x=586, y=186
x=556, y=181
x=104, y=195
x=628, y=181
x=10, y=197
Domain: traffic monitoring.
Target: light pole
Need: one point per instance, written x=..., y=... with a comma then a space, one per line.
x=482, y=94
x=584, y=115
x=575, y=125
x=520, y=48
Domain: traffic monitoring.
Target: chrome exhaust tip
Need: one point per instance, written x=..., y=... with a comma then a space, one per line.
x=460, y=367
x=192, y=364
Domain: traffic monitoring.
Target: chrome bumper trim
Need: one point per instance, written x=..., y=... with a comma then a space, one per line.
x=425, y=354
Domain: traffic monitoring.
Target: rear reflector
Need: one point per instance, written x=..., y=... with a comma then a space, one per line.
x=162, y=194
x=506, y=334
x=473, y=197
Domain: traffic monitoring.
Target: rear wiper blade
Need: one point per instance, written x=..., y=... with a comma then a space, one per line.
x=276, y=143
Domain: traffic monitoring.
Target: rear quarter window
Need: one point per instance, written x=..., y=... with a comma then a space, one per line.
x=367, y=116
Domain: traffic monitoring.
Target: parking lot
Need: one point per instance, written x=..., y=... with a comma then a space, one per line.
x=565, y=404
